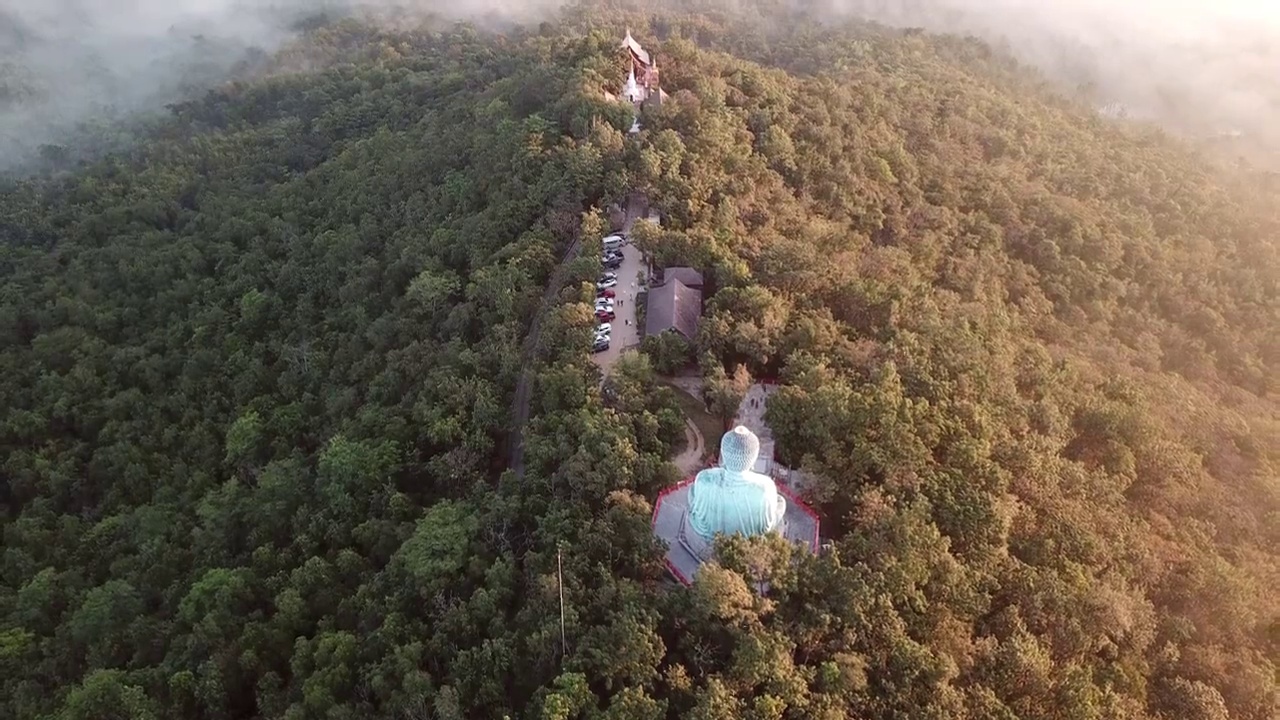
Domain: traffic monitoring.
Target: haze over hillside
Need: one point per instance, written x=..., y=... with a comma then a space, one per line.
x=1202, y=67
x=301, y=416
x=65, y=64
x=1205, y=68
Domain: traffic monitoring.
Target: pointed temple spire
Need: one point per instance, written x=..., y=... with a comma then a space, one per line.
x=632, y=90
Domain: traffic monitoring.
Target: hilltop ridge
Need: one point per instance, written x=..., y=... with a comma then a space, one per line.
x=258, y=375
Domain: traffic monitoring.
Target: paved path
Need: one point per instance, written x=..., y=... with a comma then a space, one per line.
x=751, y=414
x=751, y=411
x=690, y=461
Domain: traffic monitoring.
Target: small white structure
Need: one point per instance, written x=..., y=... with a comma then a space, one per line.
x=632, y=90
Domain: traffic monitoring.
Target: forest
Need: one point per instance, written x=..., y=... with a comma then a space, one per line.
x=257, y=375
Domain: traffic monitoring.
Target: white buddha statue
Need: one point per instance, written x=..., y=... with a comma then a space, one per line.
x=733, y=498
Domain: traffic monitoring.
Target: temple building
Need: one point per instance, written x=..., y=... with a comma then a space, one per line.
x=642, y=85
x=726, y=500
x=673, y=306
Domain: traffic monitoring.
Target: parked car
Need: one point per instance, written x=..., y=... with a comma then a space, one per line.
x=600, y=345
x=605, y=315
x=611, y=264
x=608, y=276
x=606, y=284
x=612, y=242
x=605, y=294
x=604, y=328
x=604, y=302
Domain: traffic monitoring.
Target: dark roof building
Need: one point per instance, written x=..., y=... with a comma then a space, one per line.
x=673, y=306
x=687, y=275
x=638, y=54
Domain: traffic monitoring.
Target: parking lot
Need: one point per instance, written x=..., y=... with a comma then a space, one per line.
x=625, y=334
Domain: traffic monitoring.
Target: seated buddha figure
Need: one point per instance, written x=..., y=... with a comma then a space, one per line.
x=733, y=498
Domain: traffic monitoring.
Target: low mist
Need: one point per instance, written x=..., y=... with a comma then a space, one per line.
x=1203, y=68
x=74, y=71
x=67, y=66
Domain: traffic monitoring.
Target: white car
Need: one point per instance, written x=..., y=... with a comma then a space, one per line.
x=606, y=284
x=604, y=329
x=608, y=276
x=612, y=241
x=604, y=303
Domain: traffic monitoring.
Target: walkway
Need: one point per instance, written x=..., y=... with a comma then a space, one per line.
x=690, y=461
x=751, y=414
x=751, y=411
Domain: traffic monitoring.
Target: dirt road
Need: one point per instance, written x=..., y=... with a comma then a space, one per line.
x=524, y=386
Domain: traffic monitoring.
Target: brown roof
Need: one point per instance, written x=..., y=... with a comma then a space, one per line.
x=640, y=53
x=686, y=275
x=673, y=306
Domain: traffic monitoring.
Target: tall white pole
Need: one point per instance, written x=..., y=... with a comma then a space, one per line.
x=564, y=648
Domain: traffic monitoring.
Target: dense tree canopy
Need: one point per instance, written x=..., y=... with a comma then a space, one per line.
x=257, y=379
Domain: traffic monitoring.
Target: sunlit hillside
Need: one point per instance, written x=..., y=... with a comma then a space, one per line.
x=301, y=417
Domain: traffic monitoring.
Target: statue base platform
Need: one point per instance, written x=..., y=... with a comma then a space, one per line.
x=686, y=550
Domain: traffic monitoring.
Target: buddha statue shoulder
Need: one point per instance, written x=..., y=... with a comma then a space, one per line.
x=733, y=498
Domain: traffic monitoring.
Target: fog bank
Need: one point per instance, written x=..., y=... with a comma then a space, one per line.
x=1201, y=67
x=64, y=63
x=73, y=68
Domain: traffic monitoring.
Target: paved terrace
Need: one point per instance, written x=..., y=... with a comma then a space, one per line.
x=671, y=512
x=800, y=523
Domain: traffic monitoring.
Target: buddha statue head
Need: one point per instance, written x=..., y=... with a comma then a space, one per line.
x=733, y=498
x=739, y=449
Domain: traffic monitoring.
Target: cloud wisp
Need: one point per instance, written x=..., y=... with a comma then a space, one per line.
x=1202, y=67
